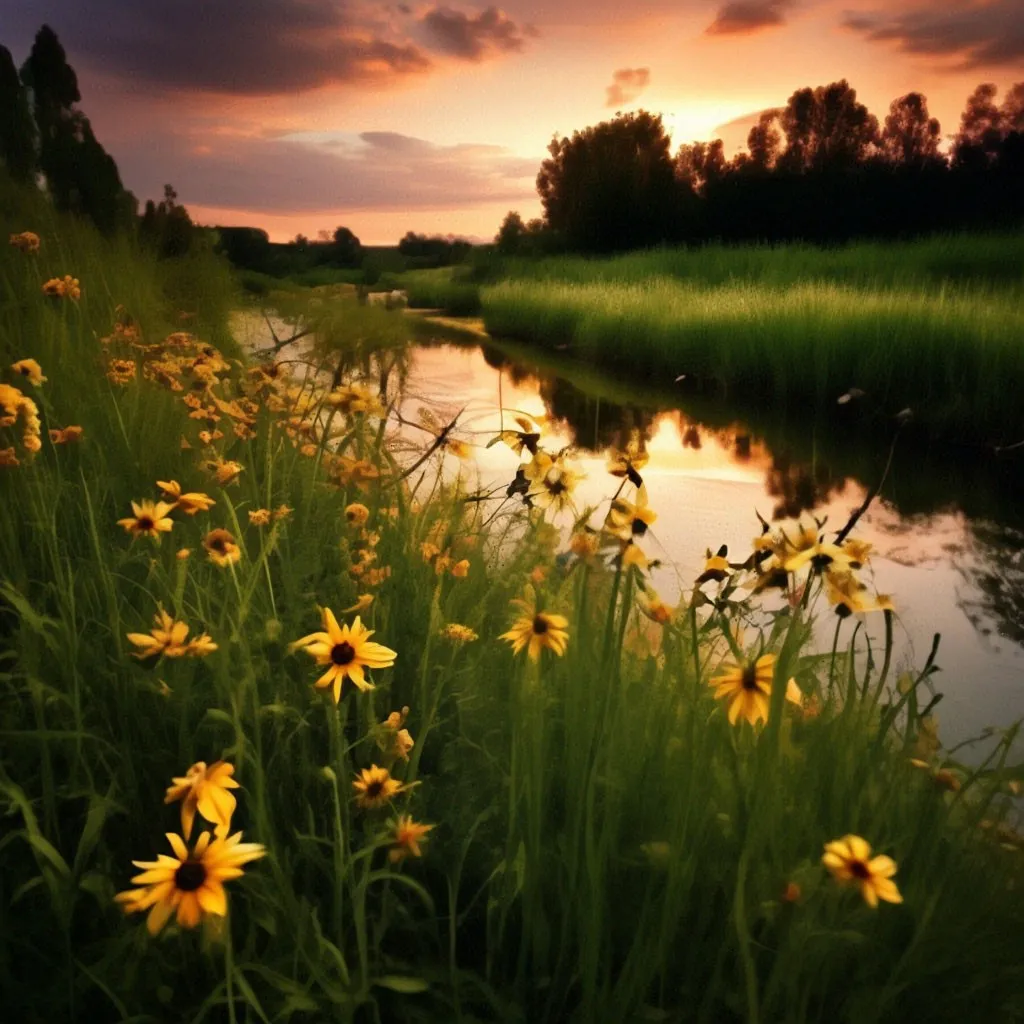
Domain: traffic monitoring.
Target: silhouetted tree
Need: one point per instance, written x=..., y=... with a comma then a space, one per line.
x=245, y=247
x=80, y=175
x=17, y=130
x=764, y=142
x=981, y=129
x=700, y=164
x=827, y=129
x=611, y=186
x=509, y=239
x=910, y=137
x=167, y=226
x=345, y=250
x=424, y=251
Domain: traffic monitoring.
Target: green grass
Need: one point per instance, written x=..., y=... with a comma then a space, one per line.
x=607, y=847
x=789, y=335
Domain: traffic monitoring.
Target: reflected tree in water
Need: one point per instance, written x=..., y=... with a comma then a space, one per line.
x=998, y=576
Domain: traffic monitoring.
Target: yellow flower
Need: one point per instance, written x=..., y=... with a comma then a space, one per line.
x=627, y=520
x=375, y=787
x=536, y=630
x=221, y=547
x=552, y=482
x=167, y=637
x=942, y=777
x=362, y=603
x=207, y=790
x=347, y=650
x=356, y=514
x=182, y=554
x=150, y=519
x=748, y=690
x=809, y=549
x=584, y=543
x=29, y=369
x=259, y=517
x=461, y=568
x=281, y=512
x=25, y=241
x=354, y=398
x=629, y=460
x=716, y=567
x=526, y=437
x=458, y=634
x=189, y=884
x=7, y=458
x=654, y=608
x=67, y=435
x=849, y=860
x=392, y=738
x=849, y=596
x=407, y=835
x=201, y=646
x=224, y=471
x=190, y=502
x=54, y=288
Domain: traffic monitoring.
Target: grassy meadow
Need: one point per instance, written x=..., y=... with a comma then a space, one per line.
x=585, y=806
x=933, y=325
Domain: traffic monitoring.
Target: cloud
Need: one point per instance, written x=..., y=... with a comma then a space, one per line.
x=972, y=34
x=746, y=16
x=306, y=173
x=474, y=38
x=627, y=84
x=236, y=47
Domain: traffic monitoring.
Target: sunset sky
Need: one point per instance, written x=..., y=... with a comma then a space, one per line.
x=298, y=115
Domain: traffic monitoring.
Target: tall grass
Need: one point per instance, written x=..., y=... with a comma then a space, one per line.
x=947, y=354
x=986, y=261
x=607, y=847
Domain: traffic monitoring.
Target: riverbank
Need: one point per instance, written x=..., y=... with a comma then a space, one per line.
x=637, y=815
x=932, y=326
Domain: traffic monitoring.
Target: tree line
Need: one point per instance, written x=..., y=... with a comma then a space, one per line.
x=820, y=169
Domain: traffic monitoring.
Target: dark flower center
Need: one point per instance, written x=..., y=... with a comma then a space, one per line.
x=748, y=679
x=374, y=789
x=556, y=488
x=843, y=610
x=190, y=876
x=342, y=654
x=144, y=523
x=639, y=527
x=859, y=870
x=540, y=625
x=821, y=561
x=218, y=545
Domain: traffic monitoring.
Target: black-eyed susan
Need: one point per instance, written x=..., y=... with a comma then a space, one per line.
x=552, y=482
x=375, y=787
x=150, y=519
x=191, y=883
x=259, y=517
x=628, y=520
x=206, y=789
x=850, y=596
x=800, y=549
x=536, y=629
x=406, y=838
x=716, y=566
x=189, y=502
x=167, y=637
x=628, y=461
x=525, y=438
x=747, y=689
x=849, y=861
x=356, y=514
x=347, y=651
x=30, y=370
x=221, y=547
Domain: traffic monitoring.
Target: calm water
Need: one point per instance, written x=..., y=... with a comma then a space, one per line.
x=947, y=547
x=947, y=530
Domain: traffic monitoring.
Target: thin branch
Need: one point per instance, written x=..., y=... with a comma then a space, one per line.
x=438, y=442
x=872, y=494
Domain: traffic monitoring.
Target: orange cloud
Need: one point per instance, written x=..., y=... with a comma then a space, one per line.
x=745, y=16
x=627, y=84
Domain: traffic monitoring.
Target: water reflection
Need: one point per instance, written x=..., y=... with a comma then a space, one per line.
x=946, y=530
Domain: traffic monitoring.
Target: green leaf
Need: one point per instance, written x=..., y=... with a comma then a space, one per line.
x=402, y=983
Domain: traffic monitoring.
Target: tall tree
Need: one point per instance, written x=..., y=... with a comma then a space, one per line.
x=910, y=137
x=765, y=142
x=1012, y=110
x=827, y=129
x=346, y=249
x=17, y=131
x=611, y=186
x=700, y=164
x=981, y=129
